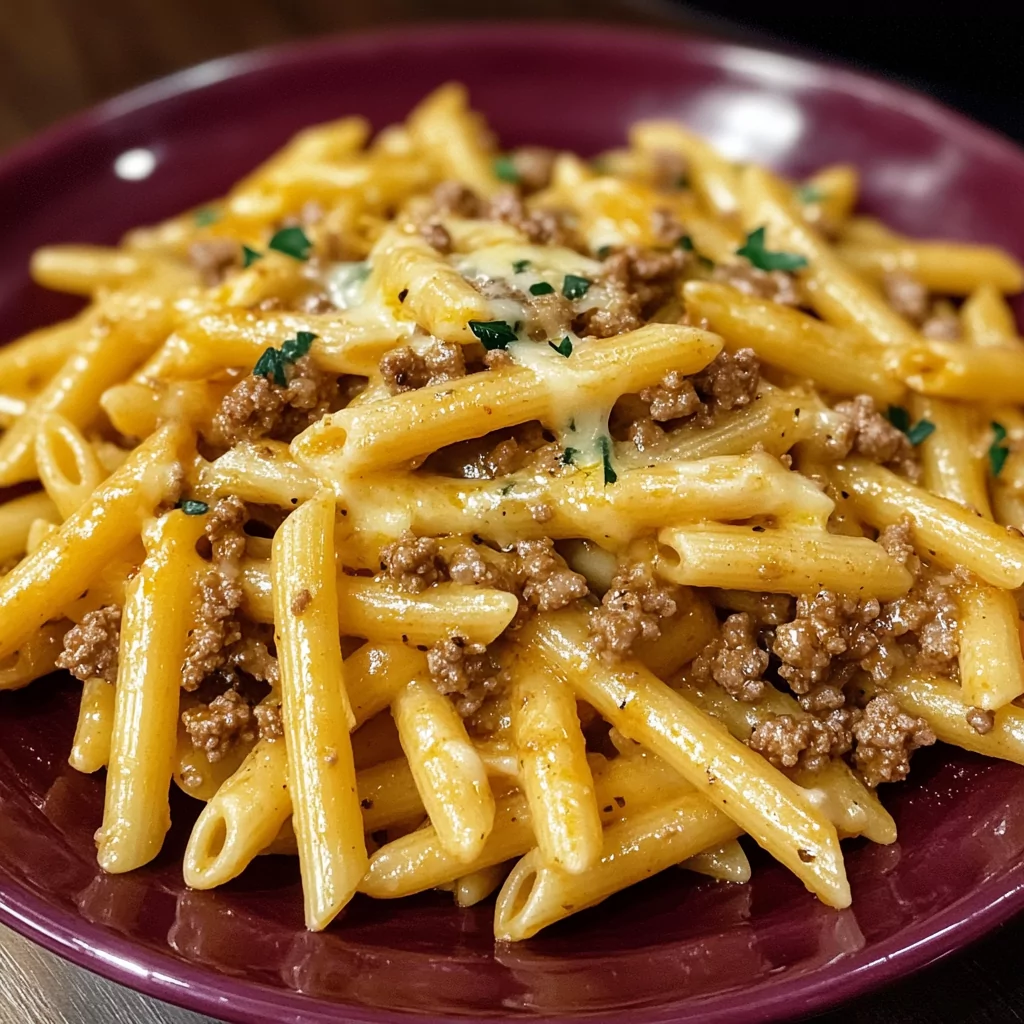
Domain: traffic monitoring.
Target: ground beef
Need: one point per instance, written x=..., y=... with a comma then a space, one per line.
x=930, y=612
x=414, y=562
x=533, y=166
x=672, y=398
x=734, y=660
x=90, y=648
x=644, y=433
x=469, y=567
x=885, y=738
x=258, y=407
x=666, y=228
x=406, y=370
x=214, y=728
x=541, y=227
x=436, y=235
x=896, y=540
x=301, y=601
x=497, y=358
x=547, y=582
x=870, y=434
x=212, y=258
x=316, y=303
x=268, y=720
x=251, y=654
x=774, y=285
x=220, y=592
x=942, y=327
x=982, y=722
x=464, y=671
x=906, y=295
x=454, y=198
x=631, y=610
x=804, y=742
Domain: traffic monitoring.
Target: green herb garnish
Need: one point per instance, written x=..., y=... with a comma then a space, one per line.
x=997, y=451
x=519, y=266
x=297, y=347
x=604, y=252
x=492, y=334
x=753, y=249
x=610, y=476
x=574, y=286
x=564, y=347
x=541, y=288
x=193, y=508
x=505, y=170
x=685, y=242
x=292, y=242
x=899, y=417
x=568, y=457
x=919, y=431
x=250, y=256
x=507, y=489
x=809, y=194
x=270, y=364
x=205, y=217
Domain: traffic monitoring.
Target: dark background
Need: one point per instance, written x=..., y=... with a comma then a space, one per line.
x=59, y=56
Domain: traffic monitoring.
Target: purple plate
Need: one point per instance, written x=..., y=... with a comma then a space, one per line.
x=675, y=948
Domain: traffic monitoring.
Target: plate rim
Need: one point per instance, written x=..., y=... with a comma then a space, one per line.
x=163, y=976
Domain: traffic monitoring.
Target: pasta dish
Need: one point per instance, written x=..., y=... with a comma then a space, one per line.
x=456, y=518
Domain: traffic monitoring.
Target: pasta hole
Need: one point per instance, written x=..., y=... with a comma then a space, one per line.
x=524, y=883
x=216, y=838
x=63, y=454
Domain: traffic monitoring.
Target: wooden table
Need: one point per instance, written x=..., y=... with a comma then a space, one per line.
x=62, y=55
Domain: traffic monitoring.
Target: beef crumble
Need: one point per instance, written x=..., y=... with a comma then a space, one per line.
x=212, y=258
x=90, y=648
x=982, y=722
x=885, y=737
x=404, y=369
x=415, y=563
x=547, y=582
x=909, y=297
x=803, y=741
x=734, y=659
x=632, y=609
x=868, y=433
x=774, y=285
x=216, y=727
x=463, y=671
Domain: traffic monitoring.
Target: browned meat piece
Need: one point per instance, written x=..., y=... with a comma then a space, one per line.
x=533, y=165
x=930, y=611
x=268, y=720
x=257, y=407
x=212, y=258
x=251, y=654
x=942, y=326
x=804, y=742
x=452, y=197
x=906, y=295
x=980, y=721
x=734, y=660
x=644, y=433
x=316, y=303
x=547, y=582
x=90, y=648
x=541, y=227
x=730, y=380
x=873, y=436
x=673, y=398
x=216, y=727
x=631, y=610
x=898, y=543
x=885, y=738
x=224, y=530
x=774, y=285
x=463, y=670
x=301, y=601
x=437, y=236
x=403, y=369
x=666, y=228
x=414, y=562
x=469, y=567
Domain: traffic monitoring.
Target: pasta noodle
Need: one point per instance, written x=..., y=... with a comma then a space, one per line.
x=451, y=518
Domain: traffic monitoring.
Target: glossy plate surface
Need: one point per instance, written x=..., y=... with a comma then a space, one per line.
x=676, y=948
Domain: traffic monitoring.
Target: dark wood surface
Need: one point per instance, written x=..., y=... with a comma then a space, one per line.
x=59, y=56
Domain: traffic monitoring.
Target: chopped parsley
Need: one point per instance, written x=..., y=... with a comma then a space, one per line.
x=916, y=433
x=604, y=252
x=507, y=489
x=610, y=476
x=297, y=347
x=250, y=256
x=492, y=334
x=505, y=169
x=204, y=218
x=292, y=242
x=685, y=242
x=574, y=286
x=809, y=194
x=564, y=347
x=519, y=266
x=568, y=457
x=997, y=451
x=753, y=249
x=541, y=288
x=191, y=507
x=274, y=360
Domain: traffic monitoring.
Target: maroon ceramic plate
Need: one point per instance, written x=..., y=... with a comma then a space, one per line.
x=676, y=948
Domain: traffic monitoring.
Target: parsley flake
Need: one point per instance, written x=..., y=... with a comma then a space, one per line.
x=297, y=347
x=250, y=256
x=505, y=169
x=507, y=489
x=292, y=242
x=997, y=451
x=574, y=286
x=809, y=194
x=568, y=457
x=604, y=252
x=191, y=507
x=564, y=347
x=919, y=431
x=899, y=417
x=270, y=364
x=685, y=242
x=541, y=288
x=519, y=266
x=610, y=476
x=492, y=334
x=753, y=249
x=206, y=216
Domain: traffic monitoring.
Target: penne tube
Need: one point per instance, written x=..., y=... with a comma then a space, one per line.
x=727, y=863
x=377, y=741
x=683, y=635
x=450, y=777
x=950, y=268
x=390, y=432
x=829, y=196
x=837, y=293
x=28, y=364
x=580, y=504
x=194, y=773
x=88, y=269
x=316, y=712
x=537, y=894
x=843, y=361
x=259, y=471
x=374, y=673
x=381, y=611
x=473, y=888
x=965, y=372
x=17, y=517
x=988, y=320
x=991, y=663
x=388, y=794
x=787, y=561
x=941, y=529
x=66, y=463
x=90, y=750
x=154, y=637
x=553, y=768
x=136, y=409
x=35, y=658
x=729, y=774
x=46, y=582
